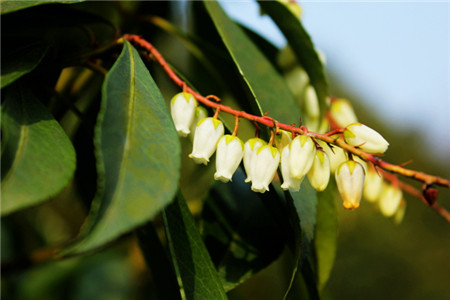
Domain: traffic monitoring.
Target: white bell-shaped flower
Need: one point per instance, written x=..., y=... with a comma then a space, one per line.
x=390, y=199
x=264, y=167
x=373, y=185
x=289, y=183
x=230, y=150
x=350, y=182
x=365, y=138
x=207, y=133
x=342, y=112
x=319, y=174
x=182, y=109
x=250, y=148
x=301, y=156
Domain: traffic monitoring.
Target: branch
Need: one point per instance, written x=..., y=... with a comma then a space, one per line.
x=329, y=138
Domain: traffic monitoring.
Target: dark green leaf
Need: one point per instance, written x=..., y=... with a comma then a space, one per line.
x=197, y=277
x=166, y=284
x=326, y=233
x=138, y=153
x=14, y=5
x=304, y=202
x=302, y=46
x=20, y=61
x=38, y=159
x=240, y=231
x=266, y=85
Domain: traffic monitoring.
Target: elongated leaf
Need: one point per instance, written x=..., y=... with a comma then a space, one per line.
x=197, y=277
x=166, y=284
x=326, y=234
x=268, y=88
x=20, y=61
x=301, y=44
x=14, y=5
x=304, y=202
x=38, y=159
x=241, y=234
x=138, y=153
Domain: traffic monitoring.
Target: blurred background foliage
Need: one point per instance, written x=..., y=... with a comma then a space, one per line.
x=376, y=259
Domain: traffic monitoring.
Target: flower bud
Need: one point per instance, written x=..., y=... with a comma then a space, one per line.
x=250, y=148
x=365, y=138
x=207, y=133
x=301, y=156
x=400, y=213
x=230, y=150
x=264, y=168
x=350, y=181
x=296, y=79
x=319, y=174
x=310, y=106
x=182, y=109
x=342, y=112
x=373, y=185
x=390, y=199
x=283, y=139
x=289, y=183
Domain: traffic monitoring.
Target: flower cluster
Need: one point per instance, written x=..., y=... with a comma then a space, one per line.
x=298, y=156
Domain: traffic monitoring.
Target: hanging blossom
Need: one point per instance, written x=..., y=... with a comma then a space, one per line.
x=230, y=150
x=250, y=148
x=289, y=183
x=301, y=156
x=182, y=110
x=207, y=133
x=350, y=182
x=319, y=174
x=264, y=168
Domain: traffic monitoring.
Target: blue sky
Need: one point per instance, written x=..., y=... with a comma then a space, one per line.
x=394, y=55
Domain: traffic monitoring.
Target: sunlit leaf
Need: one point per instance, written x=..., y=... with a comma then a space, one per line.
x=14, y=5
x=138, y=154
x=19, y=61
x=38, y=159
x=301, y=44
x=197, y=277
x=266, y=85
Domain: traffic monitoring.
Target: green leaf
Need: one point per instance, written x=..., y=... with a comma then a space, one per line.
x=166, y=284
x=241, y=233
x=197, y=277
x=301, y=44
x=326, y=234
x=137, y=150
x=38, y=159
x=8, y=6
x=20, y=61
x=304, y=204
x=266, y=85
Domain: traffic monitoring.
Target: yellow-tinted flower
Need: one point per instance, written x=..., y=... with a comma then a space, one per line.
x=319, y=174
x=390, y=199
x=342, y=112
x=350, y=181
x=373, y=185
